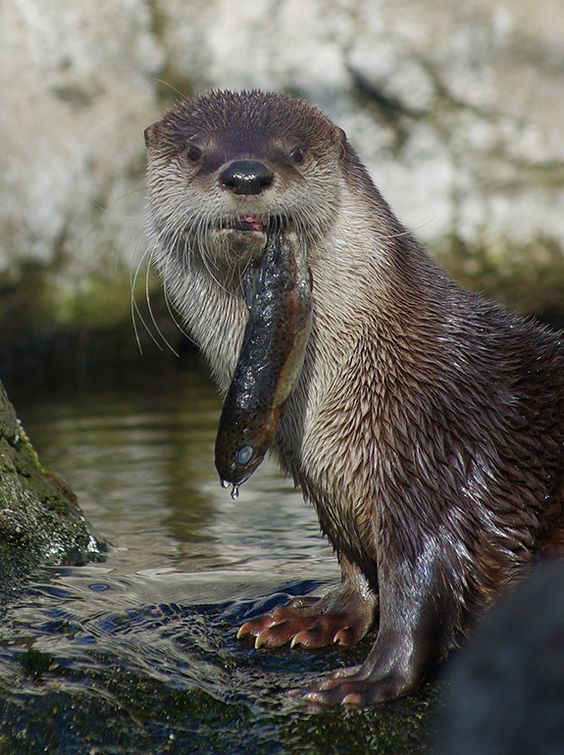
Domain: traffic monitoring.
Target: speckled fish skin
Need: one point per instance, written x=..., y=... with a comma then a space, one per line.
x=278, y=297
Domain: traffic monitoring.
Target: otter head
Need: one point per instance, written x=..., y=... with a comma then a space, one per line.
x=226, y=168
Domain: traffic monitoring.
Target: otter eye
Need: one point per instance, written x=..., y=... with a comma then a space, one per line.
x=194, y=153
x=297, y=155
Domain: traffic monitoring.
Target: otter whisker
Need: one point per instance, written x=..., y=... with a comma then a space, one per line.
x=136, y=312
x=173, y=312
x=134, y=308
x=174, y=241
x=150, y=308
x=211, y=265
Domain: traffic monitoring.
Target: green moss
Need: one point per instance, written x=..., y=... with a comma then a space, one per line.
x=40, y=521
x=32, y=453
x=528, y=278
x=100, y=301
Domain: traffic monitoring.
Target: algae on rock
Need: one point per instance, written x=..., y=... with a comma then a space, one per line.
x=40, y=520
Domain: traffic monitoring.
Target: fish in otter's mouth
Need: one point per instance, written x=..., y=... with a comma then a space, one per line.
x=277, y=291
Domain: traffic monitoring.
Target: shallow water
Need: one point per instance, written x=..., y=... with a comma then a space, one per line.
x=137, y=653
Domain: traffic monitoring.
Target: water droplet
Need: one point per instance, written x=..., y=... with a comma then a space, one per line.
x=224, y=484
x=235, y=492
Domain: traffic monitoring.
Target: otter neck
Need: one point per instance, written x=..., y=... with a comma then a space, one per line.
x=358, y=276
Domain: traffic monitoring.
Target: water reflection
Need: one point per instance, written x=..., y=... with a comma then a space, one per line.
x=141, y=461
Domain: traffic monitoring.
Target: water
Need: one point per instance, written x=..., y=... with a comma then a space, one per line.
x=137, y=653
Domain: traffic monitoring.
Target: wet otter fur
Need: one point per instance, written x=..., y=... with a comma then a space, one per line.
x=427, y=424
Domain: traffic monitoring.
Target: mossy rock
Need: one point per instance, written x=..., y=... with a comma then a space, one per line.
x=40, y=520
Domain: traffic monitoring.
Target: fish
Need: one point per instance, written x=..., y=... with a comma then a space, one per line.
x=278, y=294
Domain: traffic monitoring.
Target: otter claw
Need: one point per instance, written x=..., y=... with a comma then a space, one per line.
x=351, y=699
x=256, y=626
x=261, y=639
x=298, y=639
x=340, y=637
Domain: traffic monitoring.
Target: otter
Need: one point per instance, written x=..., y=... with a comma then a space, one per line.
x=426, y=426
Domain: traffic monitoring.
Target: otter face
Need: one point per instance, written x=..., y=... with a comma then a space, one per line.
x=226, y=169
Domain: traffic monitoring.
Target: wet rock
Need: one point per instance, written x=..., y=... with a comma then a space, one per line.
x=40, y=521
x=505, y=692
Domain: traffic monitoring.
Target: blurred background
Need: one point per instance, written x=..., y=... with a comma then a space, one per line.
x=456, y=108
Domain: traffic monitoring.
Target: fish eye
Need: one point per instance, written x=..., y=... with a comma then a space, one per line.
x=243, y=455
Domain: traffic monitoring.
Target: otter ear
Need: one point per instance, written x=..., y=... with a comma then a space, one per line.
x=152, y=133
x=344, y=146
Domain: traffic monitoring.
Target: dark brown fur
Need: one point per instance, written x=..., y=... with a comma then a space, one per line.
x=427, y=426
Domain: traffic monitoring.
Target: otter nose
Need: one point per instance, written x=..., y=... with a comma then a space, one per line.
x=246, y=177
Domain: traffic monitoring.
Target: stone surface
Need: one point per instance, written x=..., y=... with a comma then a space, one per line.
x=77, y=93
x=504, y=692
x=40, y=522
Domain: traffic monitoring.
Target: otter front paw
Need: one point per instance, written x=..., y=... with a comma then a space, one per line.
x=340, y=617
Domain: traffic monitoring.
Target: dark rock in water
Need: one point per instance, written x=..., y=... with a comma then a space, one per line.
x=506, y=689
x=40, y=521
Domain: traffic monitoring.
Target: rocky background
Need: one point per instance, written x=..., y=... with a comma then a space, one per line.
x=457, y=108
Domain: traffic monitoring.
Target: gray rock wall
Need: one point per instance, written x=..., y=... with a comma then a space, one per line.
x=457, y=108
x=77, y=92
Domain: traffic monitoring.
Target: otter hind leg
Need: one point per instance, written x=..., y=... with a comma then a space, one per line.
x=344, y=615
x=394, y=667
x=417, y=618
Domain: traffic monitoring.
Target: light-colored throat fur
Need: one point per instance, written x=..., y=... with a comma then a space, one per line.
x=346, y=265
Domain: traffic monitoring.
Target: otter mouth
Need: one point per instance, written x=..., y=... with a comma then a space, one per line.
x=245, y=235
x=246, y=223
